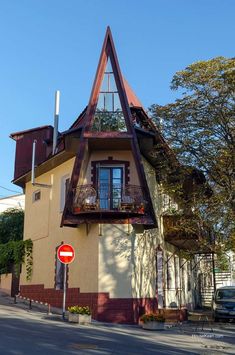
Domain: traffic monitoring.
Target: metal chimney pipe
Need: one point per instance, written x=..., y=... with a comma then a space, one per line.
x=56, y=120
x=33, y=162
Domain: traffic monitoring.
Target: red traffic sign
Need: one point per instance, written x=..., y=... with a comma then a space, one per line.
x=66, y=254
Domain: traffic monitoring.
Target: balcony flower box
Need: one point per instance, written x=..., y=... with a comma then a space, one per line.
x=80, y=315
x=153, y=321
x=77, y=210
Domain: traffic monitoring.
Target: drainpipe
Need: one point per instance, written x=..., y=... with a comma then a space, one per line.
x=56, y=121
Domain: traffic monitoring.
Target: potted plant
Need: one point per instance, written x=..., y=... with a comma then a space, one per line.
x=79, y=314
x=153, y=321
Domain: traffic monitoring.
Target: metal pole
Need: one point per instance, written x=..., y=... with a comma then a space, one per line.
x=64, y=293
x=213, y=271
x=33, y=161
x=56, y=120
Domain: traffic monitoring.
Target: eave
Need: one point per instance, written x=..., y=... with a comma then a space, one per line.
x=44, y=167
x=67, y=147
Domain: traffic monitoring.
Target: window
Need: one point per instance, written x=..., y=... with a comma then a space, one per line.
x=169, y=272
x=108, y=114
x=189, y=276
x=168, y=204
x=110, y=181
x=64, y=190
x=36, y=195
x=176, y=266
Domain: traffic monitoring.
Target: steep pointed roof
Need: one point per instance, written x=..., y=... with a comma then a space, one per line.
x=108, y=59
x=131, y=96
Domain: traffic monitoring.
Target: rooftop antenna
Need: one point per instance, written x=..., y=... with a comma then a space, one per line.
x=56, y=121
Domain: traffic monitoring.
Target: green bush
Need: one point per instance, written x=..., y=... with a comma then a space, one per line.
x=152, y=317
x=79, y=310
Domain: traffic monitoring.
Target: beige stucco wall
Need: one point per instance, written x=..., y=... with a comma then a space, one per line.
x=172, y=295
x=127, y=260
x=42, y=225
x=119, y=261
x=5, y=283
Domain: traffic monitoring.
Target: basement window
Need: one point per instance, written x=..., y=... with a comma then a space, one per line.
x=36, y=195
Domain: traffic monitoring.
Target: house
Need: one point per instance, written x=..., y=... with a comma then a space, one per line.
x=13, y=201
x=101, y=191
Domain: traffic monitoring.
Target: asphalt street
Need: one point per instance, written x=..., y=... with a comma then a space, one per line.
x=25, y=331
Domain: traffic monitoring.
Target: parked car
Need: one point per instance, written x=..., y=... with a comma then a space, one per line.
x=223, y=303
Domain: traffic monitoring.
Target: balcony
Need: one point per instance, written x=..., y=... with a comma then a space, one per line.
x=186, y=233
x=117, y=202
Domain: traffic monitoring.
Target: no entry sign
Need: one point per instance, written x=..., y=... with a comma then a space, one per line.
x=66, y=254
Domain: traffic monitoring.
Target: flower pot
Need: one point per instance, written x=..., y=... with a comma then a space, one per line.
x=153, y=325
x=84, y=319
x=79, y=318
x=76, y=209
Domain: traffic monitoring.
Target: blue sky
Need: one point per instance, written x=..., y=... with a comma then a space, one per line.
x=55, y=44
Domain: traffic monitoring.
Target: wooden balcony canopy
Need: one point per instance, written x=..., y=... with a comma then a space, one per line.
x=185, y=233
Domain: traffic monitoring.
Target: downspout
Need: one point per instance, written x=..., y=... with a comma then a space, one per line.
x=56, y=121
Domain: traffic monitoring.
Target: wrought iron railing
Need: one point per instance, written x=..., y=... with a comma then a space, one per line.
x=128, y=198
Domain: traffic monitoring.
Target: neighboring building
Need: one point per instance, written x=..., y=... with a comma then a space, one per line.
x=101, y=191
x=14, y=201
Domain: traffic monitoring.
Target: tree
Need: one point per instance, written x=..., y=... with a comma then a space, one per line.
x=200, y=127
x=11, y=225
x=13, y=250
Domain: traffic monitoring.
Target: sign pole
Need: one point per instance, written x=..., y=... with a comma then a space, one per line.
x=66, y=255
x=64, y=293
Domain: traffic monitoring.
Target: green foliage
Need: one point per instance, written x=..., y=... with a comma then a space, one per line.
x=13, y=254
x=152, y=317
x=200, y=127
x=222, y=261
x=105, y=121
x=11, y=225
x=79, y=310
x=13, y=250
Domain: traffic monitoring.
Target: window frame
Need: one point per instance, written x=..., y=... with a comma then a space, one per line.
x=110, y=198
x=35, y=193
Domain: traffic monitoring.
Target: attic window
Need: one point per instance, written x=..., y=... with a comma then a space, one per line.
x=36, y=195
x=108, y=114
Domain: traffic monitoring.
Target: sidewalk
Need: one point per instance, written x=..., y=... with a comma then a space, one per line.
x=6, y=300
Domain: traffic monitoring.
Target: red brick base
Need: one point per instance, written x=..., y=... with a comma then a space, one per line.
x=104, y=308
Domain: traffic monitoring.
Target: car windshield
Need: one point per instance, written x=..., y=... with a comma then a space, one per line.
x=224, y=294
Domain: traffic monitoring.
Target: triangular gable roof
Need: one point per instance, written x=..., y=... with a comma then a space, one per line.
x=108, y=51
x=131, y=96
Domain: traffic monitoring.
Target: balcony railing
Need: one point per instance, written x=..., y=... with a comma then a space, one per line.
x=175, y=225
x=185, y=232
x=128, y=199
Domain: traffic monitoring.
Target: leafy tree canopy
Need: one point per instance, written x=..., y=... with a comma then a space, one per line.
x=11, y=225
x=200, y=127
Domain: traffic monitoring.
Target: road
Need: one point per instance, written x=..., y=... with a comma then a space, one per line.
x=24, y=332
